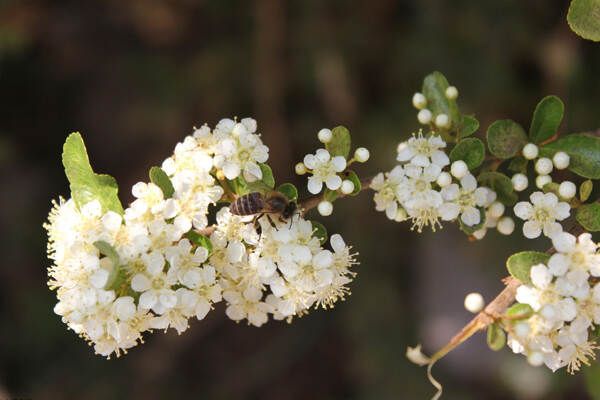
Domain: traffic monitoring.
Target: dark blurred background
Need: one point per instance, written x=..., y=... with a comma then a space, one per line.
x=135, y=76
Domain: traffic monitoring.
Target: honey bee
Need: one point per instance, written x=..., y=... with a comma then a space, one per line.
x=258, y=204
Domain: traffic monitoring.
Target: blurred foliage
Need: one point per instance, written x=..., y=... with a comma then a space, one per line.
x=136, y=76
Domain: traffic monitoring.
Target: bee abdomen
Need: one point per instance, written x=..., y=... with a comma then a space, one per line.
x=248, y=204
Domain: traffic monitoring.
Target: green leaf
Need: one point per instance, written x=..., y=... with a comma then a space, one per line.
x=340, y=142
x=289, y=191
x=319, y=231
x=585, y=190
x=505, y=138
x=330, y=195
x=85, y=184
x=162, y=180
x=546, y=119
x=351, y=176
x=200, y=240
x=584, y=18
x=519, y=311
x=501, y=184
x=496, y=337
x=239, y=186
x=469, y=230
x=519, y=264
x=518, y=164
x=468, y=126
x=584, y=151
x=470, y=150
x=267, y=175
x=588, y=216
x=434, y=89
x=108, y=251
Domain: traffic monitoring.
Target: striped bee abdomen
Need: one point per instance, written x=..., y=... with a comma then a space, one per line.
x=248, y=204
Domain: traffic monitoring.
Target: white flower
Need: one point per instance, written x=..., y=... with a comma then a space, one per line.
x=324, y=169
x=541, y=214
x=422, y=151
x=385, y=187
x=576, y=257
x=155, y=285
x=463, y=200
x=238, y=150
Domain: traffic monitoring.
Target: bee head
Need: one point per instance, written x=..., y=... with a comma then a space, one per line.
x=289, y=210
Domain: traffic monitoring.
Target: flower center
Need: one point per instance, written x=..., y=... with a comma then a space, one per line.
x=158, y=283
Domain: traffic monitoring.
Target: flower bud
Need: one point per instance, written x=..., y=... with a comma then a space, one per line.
x=419, y=101
x=300, y=168
x=530, y=151
x=361, y=155
x=474, y=302
x=325, y=135
x=520, y=182
x=567, y=190
x=459, y=169
x=543, y=166
x=424, y=116
x=442, y=121
x=542, y=180
x=451, y=93
x=506, y=225
x=347, y=186
x=325, y=208
x=561, y=160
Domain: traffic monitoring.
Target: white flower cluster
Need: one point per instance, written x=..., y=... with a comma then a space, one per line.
x=419, y=189
x=283, y=270
x=119, y=276
x=327, y=170
x=565, y=298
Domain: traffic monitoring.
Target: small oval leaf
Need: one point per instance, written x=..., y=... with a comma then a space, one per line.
x=501, y=184
x=289, y=191
x=546, y=119
x=470, y=150
x=496, y=337
x=583, y=150
x=162, y=180
x=505, y=138
x=588, y=216
x=519, y=264
x=319, y=231
x=340, y=142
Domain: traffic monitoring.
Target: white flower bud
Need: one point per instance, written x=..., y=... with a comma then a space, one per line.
x=567, y=190
x=474, y=302
x=496, y=209
x=451, y=93
x=459, y=169
x=325, y=208
x=542, y=180
x=543, y=166
x=444, y=179
x=424, y=116
x=535, y=358
x=520, y=182
x=300, y=168
x=442, y=121
x=480, y=234
x=419, y=101
x=561, y=160
x=506, y=225
x=347, y=187
x=530, y=151
x=361, y=155
x=324, y=135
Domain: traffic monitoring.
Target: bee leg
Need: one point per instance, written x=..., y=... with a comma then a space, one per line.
x=272, y=223
x=256, y=224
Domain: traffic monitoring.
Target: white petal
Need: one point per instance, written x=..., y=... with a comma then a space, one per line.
x=337, y=243
x=523, y=210
x=468, y=182
x=564, y=242
x=315, y=185
x=147, y=300
x=231, y=170
x=449, y=211
x=333, y=182
x=140, y=283
x=339, y=163
x=471, y=216
x=531, y=229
